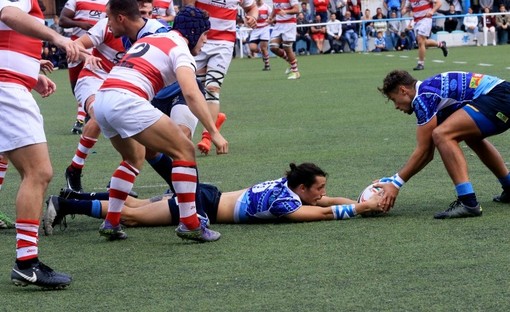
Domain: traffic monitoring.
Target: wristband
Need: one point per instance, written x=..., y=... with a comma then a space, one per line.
x=397, y=181
x=341, y=212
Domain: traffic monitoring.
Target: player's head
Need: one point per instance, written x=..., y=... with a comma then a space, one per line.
x=308, y=181
x=120, y=13
x=145, y=7
x=193, y=24
x=399, y=87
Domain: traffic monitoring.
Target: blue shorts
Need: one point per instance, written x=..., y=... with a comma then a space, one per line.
x=491, y=111
x=209, y=199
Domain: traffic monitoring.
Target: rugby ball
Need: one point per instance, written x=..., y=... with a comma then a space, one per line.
x=368, y=192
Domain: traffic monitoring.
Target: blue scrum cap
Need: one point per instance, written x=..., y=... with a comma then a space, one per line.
x=191, y=23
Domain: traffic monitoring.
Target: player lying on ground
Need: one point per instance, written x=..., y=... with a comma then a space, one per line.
x=297, y=197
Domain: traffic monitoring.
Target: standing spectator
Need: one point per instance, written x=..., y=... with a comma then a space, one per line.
x=487, y=4
x=423, y=10
x=215, y=56
x=450, y=23
x=22, y=137
x=490, y=25
x=303, y=33
x=350, y=31
x=259, y=37
x=392, y=6
x=470, y=23
x=321, y=8
x=284, y=34
x=318, y=33
x=306, y=12
x=502, y=22
x=334, y=34
x=354, y=6
x=339, y=7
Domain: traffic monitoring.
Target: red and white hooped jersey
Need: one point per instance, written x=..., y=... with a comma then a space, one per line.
x=89, y=11
x=419, y=8
x=264, y=13
x=279, y=5
x=222, y=15
x=108, y=48
x=163, y=8
x=20, y=54
x=150, y=65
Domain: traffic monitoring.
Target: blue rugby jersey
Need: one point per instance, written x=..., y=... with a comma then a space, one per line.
x=270, y=200
x=449, y=90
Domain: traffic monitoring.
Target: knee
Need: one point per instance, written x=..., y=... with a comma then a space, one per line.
x=438, y=136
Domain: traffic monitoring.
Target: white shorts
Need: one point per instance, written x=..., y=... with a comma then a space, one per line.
x=21, y=122
x=260, y=34
x=85, y=87
x=124, y=114
x=182, y=115
x=215, y=57
x=423, y=27
x=287, y=31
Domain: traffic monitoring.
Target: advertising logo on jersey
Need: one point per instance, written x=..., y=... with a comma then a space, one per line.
x=475, y=81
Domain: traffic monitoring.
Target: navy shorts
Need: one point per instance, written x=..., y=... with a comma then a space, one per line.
x=209, y=199
x=491, y=111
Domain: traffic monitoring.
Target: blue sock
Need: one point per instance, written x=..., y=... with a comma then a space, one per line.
x=466, y=194
x=505, y=181
x=96, y=209
x=162, y=164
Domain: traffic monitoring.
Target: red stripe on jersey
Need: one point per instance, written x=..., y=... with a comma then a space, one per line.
x=111, y=83
x=292, y=20
x=161, y=4
x=90, y=6
x=164, y=44
x=85, y=72
x=17, y=78
x=217, y=12
x=221, y=35
x=422, y=7
x=16, y=42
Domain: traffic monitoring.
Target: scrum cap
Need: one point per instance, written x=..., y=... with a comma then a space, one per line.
x=191, y=23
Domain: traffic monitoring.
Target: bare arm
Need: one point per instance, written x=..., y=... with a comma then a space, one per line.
x=25, y=24
x=66, y=20
x=252, y=14
x=422, y=155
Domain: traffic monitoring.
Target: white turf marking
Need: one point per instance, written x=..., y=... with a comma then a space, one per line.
x=459, y=62
x=437, y=61
x=404, y=56
x=508, y=68
x=390, y=55
x=484, y=64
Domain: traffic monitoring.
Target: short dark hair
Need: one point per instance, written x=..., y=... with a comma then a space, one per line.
x=128, y=8
x=304, y=173
x=395, y=79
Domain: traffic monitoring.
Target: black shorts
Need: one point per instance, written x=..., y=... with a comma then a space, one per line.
x=209, y=199
x=495, y=107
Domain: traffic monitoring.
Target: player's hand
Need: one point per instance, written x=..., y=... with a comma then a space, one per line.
x=73, y=49
x=373, y=202
x=220, y=143
x=93, y=62
x=250, y=21
x=45, y=87
x=46, y=66
x=390, y=193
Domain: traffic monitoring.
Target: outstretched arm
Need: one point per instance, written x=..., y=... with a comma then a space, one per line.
x=422, y=155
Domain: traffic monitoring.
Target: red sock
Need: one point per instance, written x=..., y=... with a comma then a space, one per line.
x=27, y=236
